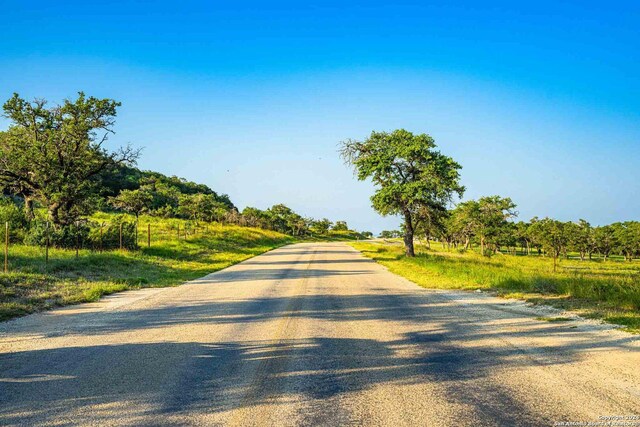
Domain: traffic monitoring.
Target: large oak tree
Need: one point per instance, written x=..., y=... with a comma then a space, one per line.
x=56, y=154
x=410, y=175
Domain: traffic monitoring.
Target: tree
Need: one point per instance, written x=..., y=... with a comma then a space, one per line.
x=389, y=234
x=133, y=201
x=492, y=216
x=523, y=236
x=201, y=207
x=321, y=226
x=461, y=224
x=605, y=238
x=627, y=235
x=255, y=217
x=285, y=220
x=431, y=222
x=552, y=234
x=56, y=155
x=408, y=172
x=340, y=226
x=581, y=238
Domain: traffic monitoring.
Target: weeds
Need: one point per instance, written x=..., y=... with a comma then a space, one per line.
x=605, y=290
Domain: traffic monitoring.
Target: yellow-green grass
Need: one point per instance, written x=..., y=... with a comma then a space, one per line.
x=32, y=286
x=555, y=319
x=606, y=290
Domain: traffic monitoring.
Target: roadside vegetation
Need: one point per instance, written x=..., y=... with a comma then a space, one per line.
x=34, y=284
x=607, y=290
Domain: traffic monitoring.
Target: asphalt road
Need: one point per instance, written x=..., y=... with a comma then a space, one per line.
x=311, y=334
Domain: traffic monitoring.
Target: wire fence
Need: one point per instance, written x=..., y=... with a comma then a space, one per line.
x=97, y=236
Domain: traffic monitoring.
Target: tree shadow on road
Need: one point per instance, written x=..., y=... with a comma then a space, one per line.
x=448, y=344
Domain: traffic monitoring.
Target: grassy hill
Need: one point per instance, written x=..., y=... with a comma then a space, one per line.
x=171, y=259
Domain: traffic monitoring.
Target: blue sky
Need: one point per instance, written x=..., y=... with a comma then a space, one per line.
x=538, y=102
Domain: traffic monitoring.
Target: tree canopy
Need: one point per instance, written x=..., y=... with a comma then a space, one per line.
x=55, y=155
x=410, y=175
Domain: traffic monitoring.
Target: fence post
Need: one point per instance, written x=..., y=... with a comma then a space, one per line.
x=148, y=235
x=120, y=236
x=77, y=239
x=6, y=247
x=46, y=247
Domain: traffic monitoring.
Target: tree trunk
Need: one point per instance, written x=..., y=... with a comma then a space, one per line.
x=54, y=210
x=28, y=208
x=408, y=235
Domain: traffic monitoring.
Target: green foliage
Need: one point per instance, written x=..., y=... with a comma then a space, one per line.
x=390, y=234
x=553, y=235
x=11, y=213
x=285, y=220
x=56, y=156
x=106, y=235
x=486, y=219
x=254, y=217
x=169, y=261
x=321, y=226
x=133, y=201
x=340, y=226
x=408, y=172
x=64, y=236
x=627, y=237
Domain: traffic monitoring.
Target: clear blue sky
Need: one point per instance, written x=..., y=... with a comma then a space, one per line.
x=539, y=102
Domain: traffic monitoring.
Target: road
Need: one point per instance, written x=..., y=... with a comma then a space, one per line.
x=310, y=334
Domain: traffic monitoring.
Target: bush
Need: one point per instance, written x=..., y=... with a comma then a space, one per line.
x=110, y=236
x=60, y=237
x=84, y=234
x=13, y=214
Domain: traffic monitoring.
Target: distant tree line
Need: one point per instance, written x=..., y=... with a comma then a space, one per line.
x=55, y=170
x=489, y=223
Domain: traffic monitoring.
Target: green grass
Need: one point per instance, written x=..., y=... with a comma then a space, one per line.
x=596, y=289
x=31, y=286
x=555, y=319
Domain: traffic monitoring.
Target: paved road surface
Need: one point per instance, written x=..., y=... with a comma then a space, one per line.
x=310, y=334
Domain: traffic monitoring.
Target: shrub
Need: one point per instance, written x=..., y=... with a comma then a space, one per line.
x=60, y=237
x=13, y=214
x=84, y=235
x=110, y=236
